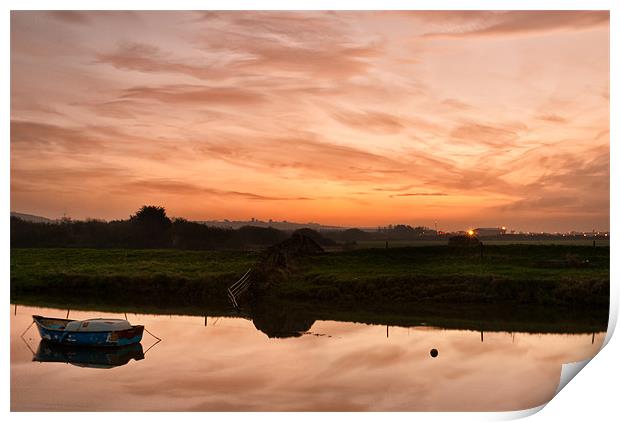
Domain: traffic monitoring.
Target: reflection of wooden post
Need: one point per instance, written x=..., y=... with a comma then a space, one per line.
x=16, y=309
x=386, y=244
x=481, y=251
x=387, y=332
x=592, y=338
x=482, y=336
x=205, y=320
x=594, y=244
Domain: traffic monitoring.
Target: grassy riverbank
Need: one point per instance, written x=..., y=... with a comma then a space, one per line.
x=519, y=274
x=164, y=276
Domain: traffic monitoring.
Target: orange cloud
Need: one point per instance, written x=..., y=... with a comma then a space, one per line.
x=554, y=118
x=188, y=94
x=182, y=188
x=150, y=59
x=500, y=23
x=489, y=135
x=370, y=121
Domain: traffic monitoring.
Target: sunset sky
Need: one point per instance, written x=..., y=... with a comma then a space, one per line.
x=346, y=118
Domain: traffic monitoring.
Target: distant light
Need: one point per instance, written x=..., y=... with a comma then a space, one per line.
x=605, y=234
x=470, y=232
x=503, y=227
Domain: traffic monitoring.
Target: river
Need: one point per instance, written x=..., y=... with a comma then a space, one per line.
x=227, y=364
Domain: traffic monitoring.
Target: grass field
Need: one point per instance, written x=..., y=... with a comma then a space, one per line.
x=534, y=274
x=523, y=274
x=514, y=261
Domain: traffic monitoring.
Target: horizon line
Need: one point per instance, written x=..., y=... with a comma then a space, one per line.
x=332, y=226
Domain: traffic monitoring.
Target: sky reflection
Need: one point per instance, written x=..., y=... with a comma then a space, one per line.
x=229, y=365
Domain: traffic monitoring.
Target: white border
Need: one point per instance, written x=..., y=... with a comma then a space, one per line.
x=592, y=395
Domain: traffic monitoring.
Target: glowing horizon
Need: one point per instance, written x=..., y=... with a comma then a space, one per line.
x=470, y=119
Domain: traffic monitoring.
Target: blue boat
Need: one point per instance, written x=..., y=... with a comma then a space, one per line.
x=96, y=332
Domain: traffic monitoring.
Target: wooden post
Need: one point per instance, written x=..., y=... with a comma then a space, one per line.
x=386, y=244
x=481, y=251
x=594, y=244
x=67, y=314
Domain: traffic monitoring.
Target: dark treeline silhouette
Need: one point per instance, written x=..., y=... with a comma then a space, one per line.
x=150, y=227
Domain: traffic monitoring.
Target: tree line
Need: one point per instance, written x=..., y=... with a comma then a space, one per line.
x=150, y=227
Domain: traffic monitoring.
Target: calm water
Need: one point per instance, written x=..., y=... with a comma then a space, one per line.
x=229, y=365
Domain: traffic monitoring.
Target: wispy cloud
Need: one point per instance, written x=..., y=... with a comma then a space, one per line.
x=194, y=94
x=33, y=135
x=456, y=104
x=315, y=43
x=419, y=194
x=186, y=189
x=307, y=155
x=553, y=118
x=506, y=23
x=370, y=121
x=147, y=58
x=70, y=16
x=489, y=135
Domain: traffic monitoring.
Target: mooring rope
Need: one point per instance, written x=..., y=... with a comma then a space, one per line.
x=24, y=340
x=26, y=330
x=152, y=334
x=152, y=345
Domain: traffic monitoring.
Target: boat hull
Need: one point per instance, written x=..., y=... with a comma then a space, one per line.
x=91, y=338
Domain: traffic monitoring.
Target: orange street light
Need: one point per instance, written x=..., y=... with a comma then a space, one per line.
x=470, y=232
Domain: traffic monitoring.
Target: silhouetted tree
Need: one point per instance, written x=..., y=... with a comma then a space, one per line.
x=151, y=215
x=151, y=227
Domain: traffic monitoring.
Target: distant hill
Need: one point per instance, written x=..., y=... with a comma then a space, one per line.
x=32, y=218
x=280, y=225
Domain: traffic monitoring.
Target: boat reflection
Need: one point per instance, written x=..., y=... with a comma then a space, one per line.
x=88, y=357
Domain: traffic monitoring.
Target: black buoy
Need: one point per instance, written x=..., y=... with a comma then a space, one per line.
x=434, y=353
